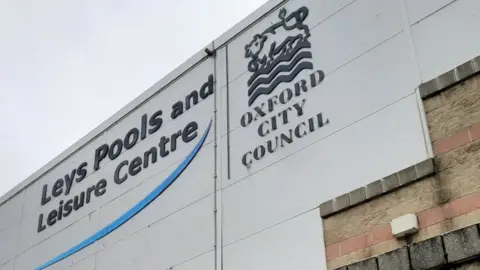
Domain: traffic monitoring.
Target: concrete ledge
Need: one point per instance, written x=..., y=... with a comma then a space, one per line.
x=378, y=188
x=450, y=78
x=441, y=252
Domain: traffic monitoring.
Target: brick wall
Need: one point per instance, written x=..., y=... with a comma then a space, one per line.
x=447, y=201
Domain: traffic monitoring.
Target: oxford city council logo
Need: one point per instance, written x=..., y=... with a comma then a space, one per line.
x=278, y=54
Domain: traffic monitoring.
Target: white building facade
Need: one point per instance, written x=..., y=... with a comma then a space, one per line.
x=223, y=163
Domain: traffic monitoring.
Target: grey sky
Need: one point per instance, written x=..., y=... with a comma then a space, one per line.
x=66, y=66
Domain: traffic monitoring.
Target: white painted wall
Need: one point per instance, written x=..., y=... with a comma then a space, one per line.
x=374, y=54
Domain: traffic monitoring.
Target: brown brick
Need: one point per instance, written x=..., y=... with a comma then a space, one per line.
x=353, y=244
x=379, y=234
x=458, y=156
x=332, y=251
x=344, y=260
x=444, y=145
x=469, y=266
x=432, y=216
x=380, y=211
x=475, y=131
x=450, y=184
x=434, y=103
x=462, y=89
x=365, y=253
x=459, y=109
x=454, y=124
x=447, y=226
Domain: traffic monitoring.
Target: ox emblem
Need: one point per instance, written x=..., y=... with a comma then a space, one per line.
x=278, y=54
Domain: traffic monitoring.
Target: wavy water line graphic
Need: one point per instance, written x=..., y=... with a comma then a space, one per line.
x=282, y=78
x=278, y=70
x=281, y=58
x=135, y=209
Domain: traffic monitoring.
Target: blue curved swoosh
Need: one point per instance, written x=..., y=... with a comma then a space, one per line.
x=135, y=209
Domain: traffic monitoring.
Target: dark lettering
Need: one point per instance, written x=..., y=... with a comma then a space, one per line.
x=118, y=180
x=246, y=119
x=300, y=86
x=152, y=153
x=69, y=181
x=68, y=208
x=173, y=142
x=297, y=131
x=60, y=210
x=115, y=149
x=261, y=131
x=316, y=78
x=190, y=132
x=79, y=201
x=129, y=142
x=208, y=86
x=259, y=152
x=311, y=125
x=101, y=188
x=57, y=187
x=299, y=107
x=135, y=166
x=191, y=100
x=155, y=122
x=259, y=111
x=270, y=147
x=274, y=123
x=143, y=131
x=89, y=193
x=100, y=153
x=81, y=172
x=320, y=121
x=244, y=159
x=52, y=217
x=284, y=114
x=163, y=145
x=177, y=109
x=284, y=138
x=40, y=227
x=286, y=96
x=45, y=198
x=272, y=102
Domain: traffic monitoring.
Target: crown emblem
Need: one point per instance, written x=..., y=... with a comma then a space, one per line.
x=279, y=53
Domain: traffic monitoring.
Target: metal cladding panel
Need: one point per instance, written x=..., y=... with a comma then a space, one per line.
x=149, y=167
x=8, y=246
x=11, y=212
x=317, y=107
x=446, y=38
x=293, y=107
x=292, y=244
x=88, y=263
x=7, y=266
x=419, y=10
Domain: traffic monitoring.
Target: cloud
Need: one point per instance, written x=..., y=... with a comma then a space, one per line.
x=66, y=66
